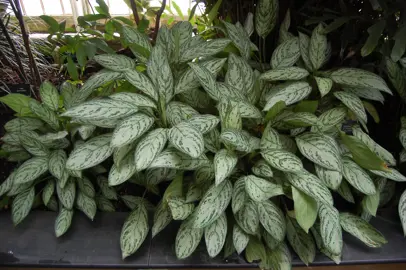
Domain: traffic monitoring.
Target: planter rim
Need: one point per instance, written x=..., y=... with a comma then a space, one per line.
x=96, y=244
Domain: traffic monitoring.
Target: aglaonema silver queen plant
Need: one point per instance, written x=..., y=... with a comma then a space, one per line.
x=253, y=156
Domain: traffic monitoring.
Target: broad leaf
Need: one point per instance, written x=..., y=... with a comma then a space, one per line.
x=301, y=242
x=284, y=74
x=130, y=129
x=324, y=85
x=239, y=197
x=332, y=179
x=357, y=177
x=86, y=204
x=272, y=219
x=318, y=47
x=248, y=218
x=286, y=54
x=63, y=221
x=30, y=170
x=240, y=239
x=67, y=194
x=266, y=16
x=330, y=229
x=115, y=62
x=260, y=189
x=224, y=163
x=162, y=217
x=49, y=95
x=289, y=93
x=305, y=209
x=187, y=139
x=21, y=205
x=149, y=147
x=402, y=210
x=354, y=103
x=215, y=236
x=142, y=83
x=179, y=208
x=187, y=239
x=282, y=160
x=173, y=159
x=119, y=175
x=45, y=114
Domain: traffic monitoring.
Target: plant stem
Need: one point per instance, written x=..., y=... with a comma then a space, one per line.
x=20, y=70
x=158, y=19
x=162, y=106
x=15, y=4
x=135, y=12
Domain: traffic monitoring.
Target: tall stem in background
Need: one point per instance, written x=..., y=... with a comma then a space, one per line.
x=158, y=19
x=135, y=12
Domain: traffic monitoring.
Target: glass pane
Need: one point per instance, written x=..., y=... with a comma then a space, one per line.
x=52, y=7
x=118, y=7
x=67, y=6
x=33, y=7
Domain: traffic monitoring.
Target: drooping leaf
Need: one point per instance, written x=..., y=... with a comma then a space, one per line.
x=224, y=163
x=282, y=160
x=67, y=194
x=375, y=33
x=187, y=139
x=289, y=93
x=162, y=217
x=330, y=229
x=272, y=219
x=248, y=218
x=30, y=170
x=317, y=47
x=354, y=103
x=305, y=209
x=63, y=221
x=86, y=204
x=301, y=242
x=187, y=239
x=21, y=205
x=215, y=236
x=130, y=129
x=259, y=189
x=357, y=177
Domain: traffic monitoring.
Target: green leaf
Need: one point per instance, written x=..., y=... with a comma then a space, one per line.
x=30, y=170
x=331, y=118
x=311, y=186
x=275, y=110
x=90, y=153
x=134, y=98
x=402, y=211
x=86, y=187
x=178, y=112
x=34, y=146
x=160, y=73
x=400, y=44
x=49, y=95
x=103, y=8
x=239, y=74
x=18, y=103
x=272, y=219
x=21, y=205
x=240, y=239
x=372, y=111
x=104, y=205
x=286, y=54
x=390, y=173
x=179, y=208
x=107, y=191
x=206, y=49
x=6, y=185
x=361, y=154
x=230, y=115
x=72, y=69
x=357, y=177
x=375, y=33
x=162, y=217
x=290, y=93
x=367, y=93
x=359, y=78
x=301, y=242
x=370, y=203
x=247, y=218
x=67, y=194
x=282, y=160
x=130, y=129
x=213, y=13
x=173, y=159
x=20, y=124
x=321, y=149
x=249, y=23
x=224, y=163
x=63, y=221
x=239, y=37
x=266, y=16
x=56, y=164
x=284, y=74
x=134, y=231
x=362, y=230
x=354, y=103
x=51, y=22
x=213, y=204
x=139, y=41
x=187, y=139
x=300, y=119
x=279, y=258
x=396, y=77
x=239, y=196
x=330, y=229
x=305, y=209
x=259, y=189
x=215, y=236
x=262, y=169
x=345, y=192
x=255, y=250
x=187, y=239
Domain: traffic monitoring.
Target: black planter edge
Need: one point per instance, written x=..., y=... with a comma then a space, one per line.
x=96, y=244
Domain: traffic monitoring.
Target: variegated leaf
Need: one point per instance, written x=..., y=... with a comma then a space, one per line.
x=305, y=209
x=134, y=98
x=367, y=93
x=142, y=83
x=240, y=239
x=212, y=141
x=213, y=204
x=280, y=258
x=282, y=160
x=149, y=147
x=45, y=114
x=332, y=179
x=204, y=123
x=317, y=47
x=206, y=79
x=239, y=197
x=22, y=205
x=215, y=236
x=262, y=169
x=115, y=62
x=131, y=129
x=345, y=191
x=354, y=103
x=239, y=37
x=179, y=208
x=331, y=118
x=324, y=85
x=391, y=174
x=104, y=204
x=319, y=242
x=90, y=153
x=304, y=44
x=86, y=131
x=160, y=73
x=357, y=177
x=48, y=191
x=224, y=163
x=133, y=36
x=330, y=229
x=247, y=218
x=230, y=115
x=63, y=221
x=284, y=74
x=260, y=189
x=86, y=187
x=402, y=211
x=300, y=119
x=100, y=109
x=30, y=170
x=289, y=93
x=134, y=231
x=67, y=194
x=187, y=239
x=173, y=159
x=239, y=74
x=311, y=185
x=86, y=204
x=187, y=138
x=162, y=217
x=20, y=124
x=321, y=149
x=49, y=95
x=208, y=48
x=286, y=54
x=301, y=242
x=119, y=175
x=359, y=78
x=178, y=112
x=34, y=146
x=270, y=139
x=362, y=230
x=273, y=220
x=266, y=16
x=6, y=185
x=238, y=139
